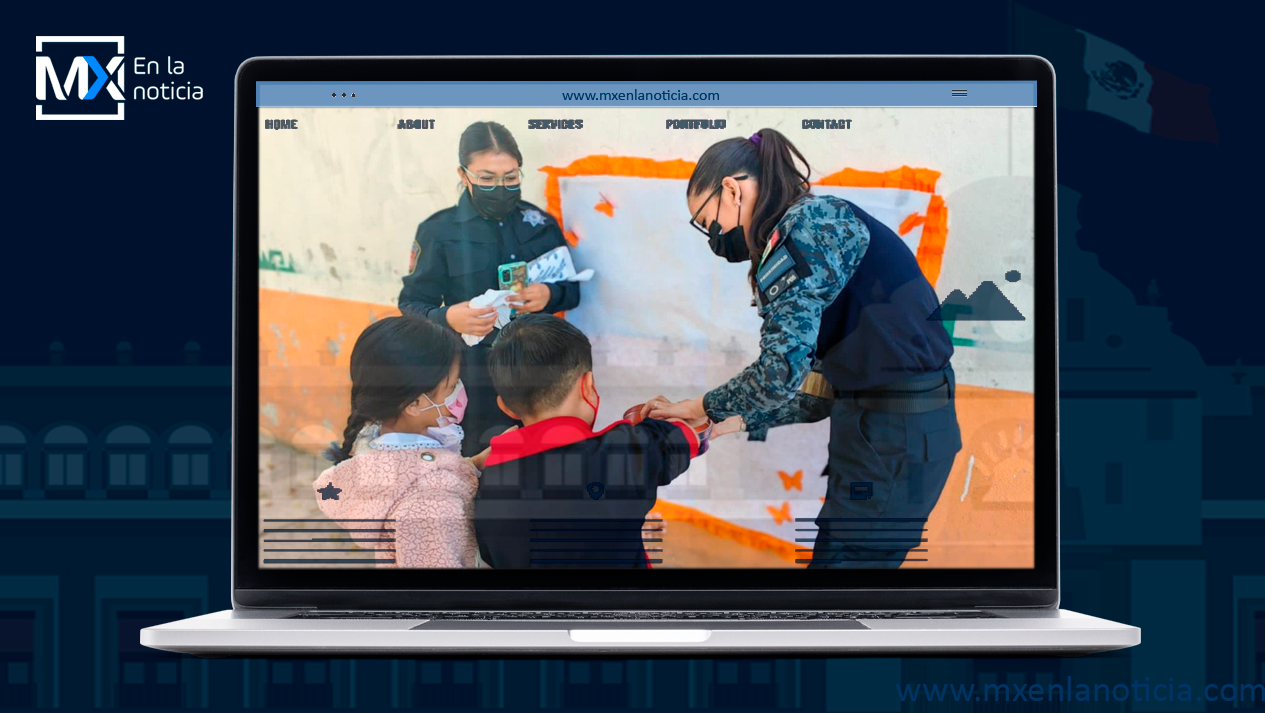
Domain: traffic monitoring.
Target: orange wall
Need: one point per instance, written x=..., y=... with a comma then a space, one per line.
x=304, y=387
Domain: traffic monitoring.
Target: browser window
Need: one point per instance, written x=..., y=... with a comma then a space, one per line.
x=646, y=325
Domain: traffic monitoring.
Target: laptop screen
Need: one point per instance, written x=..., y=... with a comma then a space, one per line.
x=646, y=325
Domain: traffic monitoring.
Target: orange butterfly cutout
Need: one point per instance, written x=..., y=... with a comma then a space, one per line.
x=911, y=221
x=792, y=481
x=605, y=206
x=780, y=515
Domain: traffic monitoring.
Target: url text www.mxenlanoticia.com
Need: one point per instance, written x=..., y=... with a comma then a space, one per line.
x=1144, y=690
x=637, y=95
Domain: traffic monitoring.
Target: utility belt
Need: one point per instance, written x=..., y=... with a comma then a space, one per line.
x=918, y=394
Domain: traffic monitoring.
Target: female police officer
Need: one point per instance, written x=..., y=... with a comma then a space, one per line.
x=845, y=333
x=455, y=257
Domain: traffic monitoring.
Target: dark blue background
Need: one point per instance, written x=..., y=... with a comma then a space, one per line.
x=122, y=231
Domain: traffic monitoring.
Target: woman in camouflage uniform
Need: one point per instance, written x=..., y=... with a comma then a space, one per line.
x=847, y=334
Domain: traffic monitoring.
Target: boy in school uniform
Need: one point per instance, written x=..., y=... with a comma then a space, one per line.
x=555, y=493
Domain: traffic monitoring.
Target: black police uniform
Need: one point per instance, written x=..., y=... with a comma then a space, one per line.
x=894, y=431
x=455, y=256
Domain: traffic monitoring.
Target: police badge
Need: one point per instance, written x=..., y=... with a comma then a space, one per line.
x=533, y=217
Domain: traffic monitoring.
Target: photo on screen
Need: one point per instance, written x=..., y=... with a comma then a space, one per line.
x=388, y=231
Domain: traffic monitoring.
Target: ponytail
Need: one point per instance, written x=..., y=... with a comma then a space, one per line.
x=770, y=158
x=781, y=184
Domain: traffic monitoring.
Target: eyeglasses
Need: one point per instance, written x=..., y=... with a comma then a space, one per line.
x=714, y=225
x=512, y=181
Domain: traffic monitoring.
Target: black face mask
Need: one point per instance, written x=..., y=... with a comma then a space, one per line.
x=496, y=203
x=731, y=244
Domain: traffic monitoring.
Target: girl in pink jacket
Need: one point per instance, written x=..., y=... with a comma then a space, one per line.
x=400, y=467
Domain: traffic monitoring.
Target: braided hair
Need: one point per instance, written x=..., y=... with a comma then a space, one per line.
x=395, y=361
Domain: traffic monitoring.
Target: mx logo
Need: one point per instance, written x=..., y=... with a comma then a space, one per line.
x=85, y=79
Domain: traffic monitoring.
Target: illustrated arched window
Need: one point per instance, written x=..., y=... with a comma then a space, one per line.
x=12, y=457
x=127, y=457
x=65, y=458
x=190, y=448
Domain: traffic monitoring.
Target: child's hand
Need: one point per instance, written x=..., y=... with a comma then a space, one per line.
x=481, y=457
x=478, y=459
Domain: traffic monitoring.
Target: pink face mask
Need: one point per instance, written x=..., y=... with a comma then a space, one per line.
x=455, y=403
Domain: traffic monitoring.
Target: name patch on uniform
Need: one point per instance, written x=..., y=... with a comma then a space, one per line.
x=779, y=286
x=774, y=267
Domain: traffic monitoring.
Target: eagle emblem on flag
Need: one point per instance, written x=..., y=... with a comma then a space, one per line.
x=1119, y=78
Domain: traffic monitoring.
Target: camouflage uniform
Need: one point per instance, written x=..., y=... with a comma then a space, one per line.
x=832, y=241
x=858, y=296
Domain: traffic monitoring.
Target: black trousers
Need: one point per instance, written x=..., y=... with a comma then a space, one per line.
x=886, y=472
x=483, y=419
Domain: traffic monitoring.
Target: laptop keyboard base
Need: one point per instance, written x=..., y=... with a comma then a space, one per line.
x=644, y=615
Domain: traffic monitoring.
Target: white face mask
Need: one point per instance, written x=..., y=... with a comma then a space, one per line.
x=448, y=432
x=449, y=437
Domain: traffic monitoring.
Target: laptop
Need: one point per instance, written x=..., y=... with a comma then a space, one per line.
x=401, y=191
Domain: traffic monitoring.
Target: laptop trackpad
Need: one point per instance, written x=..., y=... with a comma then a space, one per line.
x=640, y=636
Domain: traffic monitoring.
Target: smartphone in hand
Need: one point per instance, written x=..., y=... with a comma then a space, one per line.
x=512, y=276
